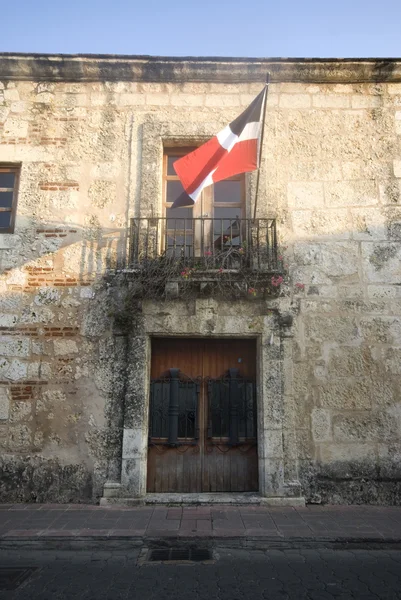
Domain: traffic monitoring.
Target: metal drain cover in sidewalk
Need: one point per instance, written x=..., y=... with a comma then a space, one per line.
x=178, y=554
x=12, y=577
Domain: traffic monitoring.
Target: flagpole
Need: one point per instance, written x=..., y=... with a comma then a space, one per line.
x=261, y=145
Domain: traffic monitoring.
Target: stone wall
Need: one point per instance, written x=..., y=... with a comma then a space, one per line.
x=90, y=155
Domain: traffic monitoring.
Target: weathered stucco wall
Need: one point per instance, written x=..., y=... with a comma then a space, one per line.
x=90, y=154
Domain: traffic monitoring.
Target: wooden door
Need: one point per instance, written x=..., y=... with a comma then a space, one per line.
x=202, y=424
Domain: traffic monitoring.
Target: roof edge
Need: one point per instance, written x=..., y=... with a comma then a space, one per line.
x=87, y=67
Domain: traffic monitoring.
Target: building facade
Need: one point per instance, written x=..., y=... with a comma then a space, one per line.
x=219, y=349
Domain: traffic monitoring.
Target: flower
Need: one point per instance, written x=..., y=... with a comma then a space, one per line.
x=208, y=253
x=252, y=291
x=186, y=273
x=241, y=251
x=276, y=281
x=300, y=286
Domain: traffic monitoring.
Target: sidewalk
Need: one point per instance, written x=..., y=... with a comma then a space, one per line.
x=60, y=525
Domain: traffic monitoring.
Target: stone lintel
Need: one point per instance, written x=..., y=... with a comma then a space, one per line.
x=68, y=67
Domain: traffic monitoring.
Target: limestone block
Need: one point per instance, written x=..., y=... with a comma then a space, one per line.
x=39, y=370
x=397, y=168
x=369, y=224
x=382, y=291
x=393, y=361
x=318, y=223
x=11, y=95
x=381, y=262
x=221, y=100
x=331, y=453
x=343, y=330
x=103, y=193
x=295, y=101
x=365, y=169
x=14, y=347
x=34, y=314
x=330, y=101
x=349, y=361
x=4, y=112
x=321, y=425
x=134, y=443
x=87, y=293
x=386, y=330
x=4, y=404
x=362, y=101
x=365, y=428
x=15, y=127
x=64, y=347
x=397, y=122
x=132, y=99
x=107, y=170
x=20, y=437
x=14, y=369
x=336, y=259
x=47, y=295
x=8, y=320
x=394, y=88
x=54, y=397
x=305, y=444
x=44, y=98
x=187, y=100
x=351, y=193
x=347, y=394
x=21, y=411
x=353, y=292
x=314, y=170
x=273, y=443
x=303, y=195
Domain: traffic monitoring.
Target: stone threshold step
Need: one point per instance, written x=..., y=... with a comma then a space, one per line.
x=206, y=498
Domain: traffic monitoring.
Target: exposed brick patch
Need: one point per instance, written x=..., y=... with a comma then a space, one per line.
x=68, y=119
x=59, y=185
x=39, y=269
x=58, y=232
x=61, y=331
x=20, y=331
x=17, y=140
x=21, y=392
x=25, y=382
x=51, y=281
x=55, y=141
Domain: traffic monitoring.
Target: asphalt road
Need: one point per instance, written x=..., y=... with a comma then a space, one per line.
x=234, y=575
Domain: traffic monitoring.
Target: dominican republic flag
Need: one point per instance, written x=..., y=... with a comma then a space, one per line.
x=232, y=151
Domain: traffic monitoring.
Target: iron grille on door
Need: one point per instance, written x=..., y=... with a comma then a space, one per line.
x=173, y=417
x=232, y=408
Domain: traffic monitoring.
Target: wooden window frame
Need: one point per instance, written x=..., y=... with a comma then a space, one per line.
x=8, y=168
x=206, y=204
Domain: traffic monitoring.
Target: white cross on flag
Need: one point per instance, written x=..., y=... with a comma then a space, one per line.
x=232, y=151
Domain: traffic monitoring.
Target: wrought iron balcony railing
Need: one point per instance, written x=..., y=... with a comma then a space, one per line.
x=205, y=242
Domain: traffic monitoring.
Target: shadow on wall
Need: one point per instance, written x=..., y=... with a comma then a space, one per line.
x=57, y=357
x=60, y=358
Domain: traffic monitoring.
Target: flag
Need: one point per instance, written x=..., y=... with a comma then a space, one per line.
x=232, y=151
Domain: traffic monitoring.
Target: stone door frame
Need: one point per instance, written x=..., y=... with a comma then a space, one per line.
x=277, y=454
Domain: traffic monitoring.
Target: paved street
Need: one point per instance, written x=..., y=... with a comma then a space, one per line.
x=244, y=523
x=235, y=575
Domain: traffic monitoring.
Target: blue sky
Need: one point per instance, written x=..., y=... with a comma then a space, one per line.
x=261, y=28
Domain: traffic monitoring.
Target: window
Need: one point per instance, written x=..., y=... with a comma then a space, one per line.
x=9, y=176
x=220, y=207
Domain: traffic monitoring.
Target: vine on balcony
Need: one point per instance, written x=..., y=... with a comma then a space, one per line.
x=232, y=272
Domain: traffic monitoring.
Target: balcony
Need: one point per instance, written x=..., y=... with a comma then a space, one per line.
x=205, y=242
x=230, y=256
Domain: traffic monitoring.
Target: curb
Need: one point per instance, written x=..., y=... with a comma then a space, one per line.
x=103, y=542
